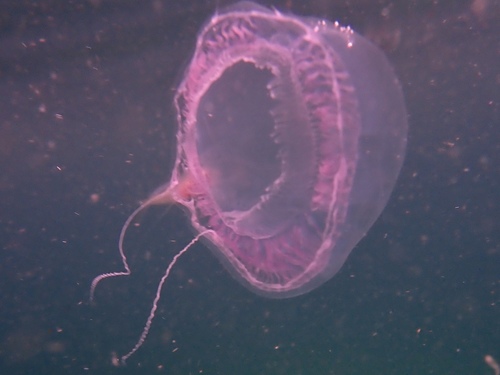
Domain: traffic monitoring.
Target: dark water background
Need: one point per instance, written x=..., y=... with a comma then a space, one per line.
x=87, y=130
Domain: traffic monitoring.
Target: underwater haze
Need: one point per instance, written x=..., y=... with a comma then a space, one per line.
x=88, y=132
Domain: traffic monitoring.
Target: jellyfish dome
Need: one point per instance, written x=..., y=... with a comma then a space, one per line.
x=292, y=132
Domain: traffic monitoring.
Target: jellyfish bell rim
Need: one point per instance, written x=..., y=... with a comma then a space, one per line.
x=186, y=93
x=351, y=47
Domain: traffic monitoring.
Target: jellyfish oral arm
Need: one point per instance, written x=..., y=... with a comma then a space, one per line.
x=151, y=316
x=164, y=196
x=127, y=271
x=159, y=198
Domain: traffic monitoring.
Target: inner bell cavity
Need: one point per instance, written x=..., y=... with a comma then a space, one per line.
x=235, y=137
